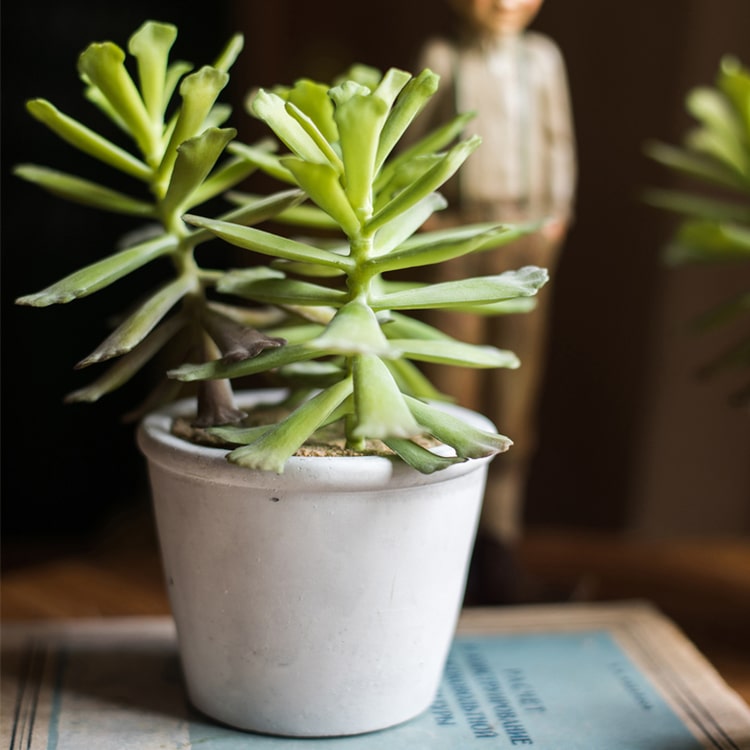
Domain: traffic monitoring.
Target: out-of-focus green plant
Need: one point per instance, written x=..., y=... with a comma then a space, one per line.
x=715, y=224
x=351, y=353
x=178, y=148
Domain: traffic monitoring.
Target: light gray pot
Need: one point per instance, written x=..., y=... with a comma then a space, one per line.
x=319, y=602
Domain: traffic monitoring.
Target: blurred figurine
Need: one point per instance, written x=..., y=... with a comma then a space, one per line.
x=524, y=171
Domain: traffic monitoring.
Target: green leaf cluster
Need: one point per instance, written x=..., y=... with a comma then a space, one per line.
x=351, y=346
x=715, y=215
x=175, y=156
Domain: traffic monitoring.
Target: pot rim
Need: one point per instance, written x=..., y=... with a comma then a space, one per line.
x=159, y=445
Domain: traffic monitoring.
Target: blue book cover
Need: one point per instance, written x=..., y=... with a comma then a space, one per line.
x=618, y=677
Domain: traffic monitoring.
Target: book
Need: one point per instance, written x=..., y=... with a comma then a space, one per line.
x=611, y=676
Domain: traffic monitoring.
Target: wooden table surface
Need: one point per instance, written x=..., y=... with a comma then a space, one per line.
x=704, y=586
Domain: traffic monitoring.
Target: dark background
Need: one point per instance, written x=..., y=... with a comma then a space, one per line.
x=629, y=440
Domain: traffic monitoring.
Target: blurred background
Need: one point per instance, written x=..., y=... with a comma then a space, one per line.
x=632, y=442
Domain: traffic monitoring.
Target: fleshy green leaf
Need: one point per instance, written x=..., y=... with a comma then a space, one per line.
x=270, y=359
x=239, y=435
x=433, y=142
x=150, y=45
x=268, y=243
x=420, y=458
x=466, y=440
x=411, y=381
x=225, y=177
x=132, y=331
x=82, y=191
x=196, y=157
x=271, y=451
x=360, y=119
x=450, y=352
x=412, y=99
x=271, y=108
x=450, y=294
x=312, y=98
x=87, y=140
x=381, y=411
x=230, y=53
x=395, y=232
x=423, y=254
x=126, y=367
x=261, y=158
x=321, y=183
x=354, y=330
x=101, y=274
x=429, y=182
x=290, y=292
x=103, y=64
x=198, y=91
x=311, y=128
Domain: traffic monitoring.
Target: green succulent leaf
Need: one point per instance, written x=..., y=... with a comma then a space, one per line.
x=466, y=440
x=427, y=183
x=87, y=140
x=354, y=330
x=266, y=361
x=271, y=108
x=199, y=91
x=135, y=328
x=267, y=243
x=126, y=367
x=420, y=458
x=224, y=178
x=311, y=128
x=271, y=450
x=290, y=292
x=360, y=118
x=312, y=99
x=397, y=231
x=175, y=72
x=103, y=65
x=381, y=411
x=432, y=143
x=321, y=182
x=239, y=435
x=101, y=274
x=412, y=99
x=412, y=381
x=451, y=294
x=150, y=45
x=82, y=191
x=423, y=253
x=228, y=56
x=261, y=158
x=451, y=352
x=253, y=212
x=196, y=157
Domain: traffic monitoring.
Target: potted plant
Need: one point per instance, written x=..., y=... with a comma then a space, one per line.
x=317, y=575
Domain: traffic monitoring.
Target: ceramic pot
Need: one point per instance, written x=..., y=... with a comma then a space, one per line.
x=318, y=602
